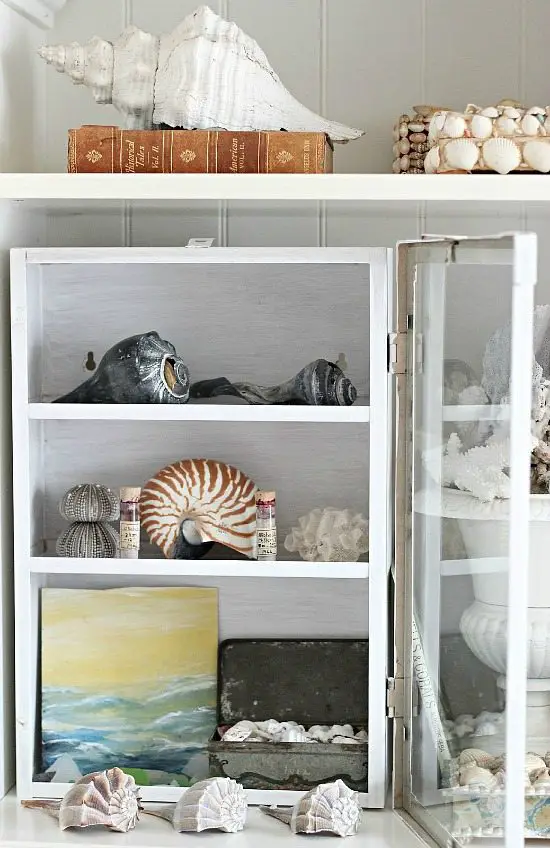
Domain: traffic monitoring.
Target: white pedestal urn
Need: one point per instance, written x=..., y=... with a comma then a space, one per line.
x=485, y=530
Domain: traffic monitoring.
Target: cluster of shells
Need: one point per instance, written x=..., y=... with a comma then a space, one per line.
x=410, y=140
x=479, y=771
x=502, y=138
x=290, y=731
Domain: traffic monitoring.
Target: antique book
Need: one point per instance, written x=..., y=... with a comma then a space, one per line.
x=111, y=150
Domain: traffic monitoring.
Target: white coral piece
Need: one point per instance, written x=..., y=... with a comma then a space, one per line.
x=329, y=535
x=482, y=470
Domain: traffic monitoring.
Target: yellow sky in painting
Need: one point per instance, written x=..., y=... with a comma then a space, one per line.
x=119, y=638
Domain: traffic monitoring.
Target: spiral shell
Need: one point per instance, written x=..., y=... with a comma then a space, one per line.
x=89, y=502
x=218, y=803
x=329, y=808
x=88, y=539
x=109, y=798
x=216, y=501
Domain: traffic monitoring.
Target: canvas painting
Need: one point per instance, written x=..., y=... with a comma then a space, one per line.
x=128, y=680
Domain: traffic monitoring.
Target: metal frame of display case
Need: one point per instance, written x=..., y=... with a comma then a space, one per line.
x=430, y=258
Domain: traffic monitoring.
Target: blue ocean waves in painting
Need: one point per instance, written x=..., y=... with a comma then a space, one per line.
x=161, y=732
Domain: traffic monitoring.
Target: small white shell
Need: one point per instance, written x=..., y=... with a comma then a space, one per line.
x=534, y=763
x=215, y=804
x=501, y=155
x=536, y=110
x=436, y=125
x=405, y=163
x=512, y=112
x=530, y=125
x=462, y=154
x=472, y=775
x=485, y=728
x=432, y=160
x=403, y=130
x=416, y=128
x=403, y=147
x=537, y=155
x=455, y=126
x=490, y=112
x=506, y=125
x=481, y=126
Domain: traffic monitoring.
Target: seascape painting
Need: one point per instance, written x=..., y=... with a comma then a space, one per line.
x=129, y=680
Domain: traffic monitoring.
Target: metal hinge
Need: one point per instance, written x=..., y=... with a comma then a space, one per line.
x=395, y=697
x=397, y=353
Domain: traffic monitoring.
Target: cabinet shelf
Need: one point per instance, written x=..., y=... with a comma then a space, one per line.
x=200, y=568
x=198, y=412
x=337, y=187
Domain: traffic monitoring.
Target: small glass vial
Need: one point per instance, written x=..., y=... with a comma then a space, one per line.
x=129, y=522
x=266, y=528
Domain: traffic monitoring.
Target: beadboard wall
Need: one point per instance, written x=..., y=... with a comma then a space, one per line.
x=363, y=62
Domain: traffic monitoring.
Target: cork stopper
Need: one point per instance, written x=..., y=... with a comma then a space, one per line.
x=265, y=496
x=130, y=494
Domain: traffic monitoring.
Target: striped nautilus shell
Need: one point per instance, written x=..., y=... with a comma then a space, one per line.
x=189, y=505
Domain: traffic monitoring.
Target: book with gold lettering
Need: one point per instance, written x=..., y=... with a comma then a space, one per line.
x=111, y=150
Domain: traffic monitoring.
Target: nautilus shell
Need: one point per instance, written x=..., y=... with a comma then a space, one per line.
x=109, y=798
x=139, y=369
x=215, y=804
x=321, y=383
x=189, y=505
x=206, y=73
x=329, y=808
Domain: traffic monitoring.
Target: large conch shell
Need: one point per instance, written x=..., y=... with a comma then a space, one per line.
x=206, y=73
x=218, y=803
x=329, y=535
x=109, y=798
x=189, y=505
x=329, y=808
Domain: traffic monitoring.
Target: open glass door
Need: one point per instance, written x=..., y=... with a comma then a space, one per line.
x=467, y=394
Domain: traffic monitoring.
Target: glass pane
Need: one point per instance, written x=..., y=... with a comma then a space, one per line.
x=460, y=385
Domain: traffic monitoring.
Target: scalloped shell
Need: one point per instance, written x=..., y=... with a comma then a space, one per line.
x=530, y=124
x=436, y=125
x=432, y=160
x=109, y=798
x=215, y=804
x=462, y=153
x=217, y=498
x=506, y=125
x=455, y=126
x=90, y=502
x=329, y=808
x=501, y=155
x=481, y=126
x=536, y=153
x=490, y=112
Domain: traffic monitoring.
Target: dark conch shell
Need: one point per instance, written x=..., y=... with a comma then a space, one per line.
x=140, y=369
x=321, y=383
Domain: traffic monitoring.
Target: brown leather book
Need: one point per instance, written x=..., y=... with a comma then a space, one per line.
x=110, y=150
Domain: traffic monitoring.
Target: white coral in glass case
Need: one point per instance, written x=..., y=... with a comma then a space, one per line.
x=329, y=535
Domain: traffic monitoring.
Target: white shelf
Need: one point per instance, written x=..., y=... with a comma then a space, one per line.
x=200, y=568
x=476, y=412
x=486, y=565
x=265, y=187
x=21, y=828
x=198, y=412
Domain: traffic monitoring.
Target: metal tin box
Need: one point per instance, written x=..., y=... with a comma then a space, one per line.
x=311, y=682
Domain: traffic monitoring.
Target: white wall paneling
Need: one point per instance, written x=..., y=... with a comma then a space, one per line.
x=41, y=12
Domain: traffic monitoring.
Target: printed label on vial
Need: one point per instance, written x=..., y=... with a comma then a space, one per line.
x=267, y=542
x=129, y=536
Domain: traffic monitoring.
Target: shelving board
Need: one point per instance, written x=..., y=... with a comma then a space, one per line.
x=198, y=412
x=485, y=565
x=534, y=188
x=20, y=828
x=201, y=568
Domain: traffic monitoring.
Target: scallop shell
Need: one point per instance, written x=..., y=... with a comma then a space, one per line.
x=432, y=160
x=88, y=539
x=216, y=501
x=109, y=798
x=536, y=110
x=473, y=775
x=490, y=112
x=530, y=124
x=218, y=803
x=455, y=126
x=329, y=808
x=478, y=757
x=90, y=502
x=481, y=126
x=206, y=73
x=506, y=125
x=462, y=153
x=501, y=155
x=512, y=112
x=536, y=154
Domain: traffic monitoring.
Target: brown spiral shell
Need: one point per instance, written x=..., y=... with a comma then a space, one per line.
x=218, y=498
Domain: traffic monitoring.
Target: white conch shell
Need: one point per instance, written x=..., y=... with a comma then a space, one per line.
x=109, y=798
x=329, y=535
x=218, y=803
x=501, y=155
x=329, y=808
x=206, y=73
